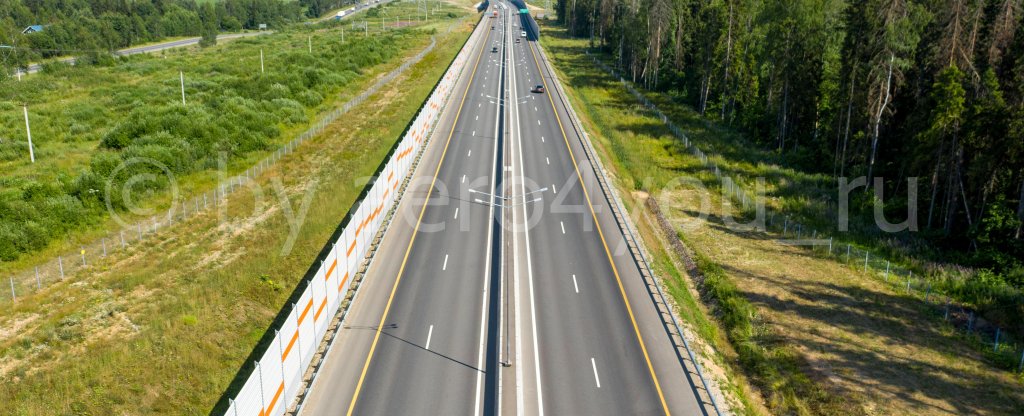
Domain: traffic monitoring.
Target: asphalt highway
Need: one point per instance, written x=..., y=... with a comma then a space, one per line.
x=503, y=285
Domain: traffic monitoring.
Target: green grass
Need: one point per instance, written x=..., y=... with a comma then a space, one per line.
x=814, y=336
x=88, y=119
x=165, y=327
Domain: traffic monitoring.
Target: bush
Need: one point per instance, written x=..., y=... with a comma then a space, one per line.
x=230, y=110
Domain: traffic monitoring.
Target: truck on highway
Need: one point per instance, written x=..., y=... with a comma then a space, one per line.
x=344, y=13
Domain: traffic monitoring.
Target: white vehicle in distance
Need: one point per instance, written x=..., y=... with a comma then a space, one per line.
x=523, y=34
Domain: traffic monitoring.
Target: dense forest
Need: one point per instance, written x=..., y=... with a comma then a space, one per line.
x=81, y=27
x=932, y=89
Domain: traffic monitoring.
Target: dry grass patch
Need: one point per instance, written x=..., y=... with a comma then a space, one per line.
x=814, y=336
x=878, y=350
x=164, y=327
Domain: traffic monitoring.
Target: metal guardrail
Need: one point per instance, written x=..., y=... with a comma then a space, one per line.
x=625, y=224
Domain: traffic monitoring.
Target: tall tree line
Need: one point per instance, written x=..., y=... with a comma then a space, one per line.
x=73, y=27
x=893, y=88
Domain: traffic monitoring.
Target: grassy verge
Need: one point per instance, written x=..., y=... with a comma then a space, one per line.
x=814, y=336
x=88, y=120
x=164, y=327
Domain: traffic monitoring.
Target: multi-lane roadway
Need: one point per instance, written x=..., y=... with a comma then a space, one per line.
x=503, y=285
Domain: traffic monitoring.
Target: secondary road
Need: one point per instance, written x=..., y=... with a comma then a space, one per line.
x=156, y=47
x=358, y=7
x=504, y=250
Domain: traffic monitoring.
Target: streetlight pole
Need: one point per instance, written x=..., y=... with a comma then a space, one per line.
x=28, y=131
x=181, y=76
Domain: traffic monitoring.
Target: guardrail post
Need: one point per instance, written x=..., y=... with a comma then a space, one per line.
x=866, y=255
x=830, y=246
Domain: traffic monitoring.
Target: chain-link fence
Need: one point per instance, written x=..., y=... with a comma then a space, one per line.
x=1005, y=350
x=85, y=257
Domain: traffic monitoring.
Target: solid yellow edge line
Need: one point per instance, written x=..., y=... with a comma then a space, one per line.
x=608, y=252
x=401, y=270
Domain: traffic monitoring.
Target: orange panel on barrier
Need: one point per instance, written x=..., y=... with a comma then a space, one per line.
x=274, y=401
x=316, y=316
x=331, y=270
x=290, y=345
x=345, y=279
x=306, y=311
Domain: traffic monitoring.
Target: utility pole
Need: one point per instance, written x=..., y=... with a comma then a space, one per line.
x=181, y=75
x=28, y=131
x=261, y=61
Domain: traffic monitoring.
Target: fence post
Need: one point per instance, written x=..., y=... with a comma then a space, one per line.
x=83, y=255
x=887, y=271
x=947, y=309
x=60, y=264
x=121, y=233
x=263, y=402
x=785, y=226
x=280, y=351
x=866, y=254
x=830, y=245
x=847, y=252
x=908, y=285
x=104, y=241
x=996, y=347
x=298, y=338
x=13, y=297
